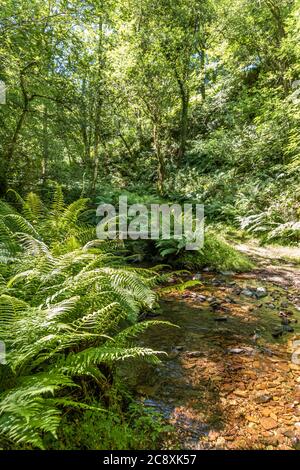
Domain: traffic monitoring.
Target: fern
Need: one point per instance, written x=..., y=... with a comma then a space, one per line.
x=68, y=311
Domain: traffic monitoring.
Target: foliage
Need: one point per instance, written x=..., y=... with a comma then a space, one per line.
x=198, y=100
x=158, y=100
x=216, y=254
x=68, y=313
x=136, y=429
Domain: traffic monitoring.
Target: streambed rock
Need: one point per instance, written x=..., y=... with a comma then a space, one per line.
x=195, y=354
x=201, y=298
x=247, y=292
x=268, y=423
x=197, y=277
x=261, y=292
x=263, y=398
x=258, y=292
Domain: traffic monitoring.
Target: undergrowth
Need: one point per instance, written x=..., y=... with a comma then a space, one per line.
x=69, y=310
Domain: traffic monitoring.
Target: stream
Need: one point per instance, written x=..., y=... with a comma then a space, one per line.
x=227, y=381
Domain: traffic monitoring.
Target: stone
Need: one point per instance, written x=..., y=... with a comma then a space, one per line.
x=241, y=393
x=278, y=332
x=215, y=302
x=263, y=398
x=220, y=441
x=261, y=292
x=272, y=306
x=195, y=354
x=197, y=277
x=268, y=423
x=236, y=350
x=229, y=300
x=252, y=419
x=201, y=298
x=247, y=293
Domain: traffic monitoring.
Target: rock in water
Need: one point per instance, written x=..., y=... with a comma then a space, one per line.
x=236, y=350
x=277, y=333
x=268, y=423
x=197, y=277
x=264, y=398
x=261, y=292
x=201, y=298
x=247, y=292
x=194, y=354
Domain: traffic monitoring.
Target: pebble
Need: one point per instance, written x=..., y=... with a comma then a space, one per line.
x=272, y=306
x=241, y=393
x=252, y=419
x=247, y=292
x=197, y=277
x=201, y=298
x=268, y=423
x=195, y=354
x=236, y=350
x=263, y=398
x=261, y=292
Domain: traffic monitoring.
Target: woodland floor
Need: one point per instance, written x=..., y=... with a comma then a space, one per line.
x=227, y=382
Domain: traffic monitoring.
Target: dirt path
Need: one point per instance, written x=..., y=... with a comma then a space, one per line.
x=228, y=383
x=279, y=265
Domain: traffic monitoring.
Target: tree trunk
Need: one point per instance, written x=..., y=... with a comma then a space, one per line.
x=8, y=156
x=160, y=159
x=185, y=99
x=183, y=124
x=202, y=65
x=98, y=108
x=45, y=157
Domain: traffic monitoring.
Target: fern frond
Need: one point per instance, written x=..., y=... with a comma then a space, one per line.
x=33, y=208
x=16, y=223
x=57, y=205
x=71, y=213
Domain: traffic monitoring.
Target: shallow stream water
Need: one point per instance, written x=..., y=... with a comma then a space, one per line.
x=219, y=351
